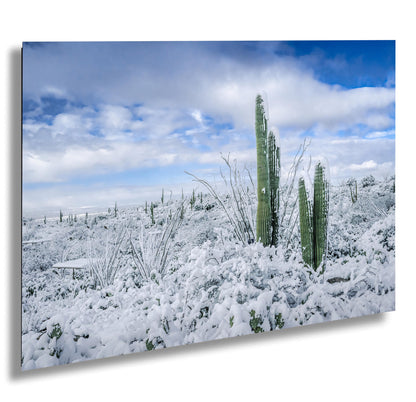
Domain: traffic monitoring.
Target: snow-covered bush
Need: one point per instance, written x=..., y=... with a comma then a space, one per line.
x=239, y=203
x=368, y=181
x=105, y=264
x=151, y=248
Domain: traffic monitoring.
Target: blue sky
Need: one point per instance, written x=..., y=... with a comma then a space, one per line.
x=117, y=121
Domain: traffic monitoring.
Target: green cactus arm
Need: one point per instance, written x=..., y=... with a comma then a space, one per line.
x=273, y=153
x=278, y=186
x=305, y=223
x=320, y=216
x=263, y=218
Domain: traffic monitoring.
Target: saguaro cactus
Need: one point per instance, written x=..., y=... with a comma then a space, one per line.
x=320, y=215
x=273, y=155
x=268, y=180
x=263, y=218
x=313, y=219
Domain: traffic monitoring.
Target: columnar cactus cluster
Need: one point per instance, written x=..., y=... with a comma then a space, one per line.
x=313, y=218
x=268, y=178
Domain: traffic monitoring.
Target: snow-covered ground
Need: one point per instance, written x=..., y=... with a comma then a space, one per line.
x=212, y=287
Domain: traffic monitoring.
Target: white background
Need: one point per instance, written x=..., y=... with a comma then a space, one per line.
x=370, y=358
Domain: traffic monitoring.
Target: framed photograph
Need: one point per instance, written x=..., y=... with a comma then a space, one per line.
x=183, y=192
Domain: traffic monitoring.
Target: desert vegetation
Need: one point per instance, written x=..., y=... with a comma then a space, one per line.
x=261, y=255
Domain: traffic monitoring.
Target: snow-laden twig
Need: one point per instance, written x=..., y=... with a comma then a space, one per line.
x=240, y=213
x=104, y=268
x=378, y=210
x=152, y=250
x=290, y=181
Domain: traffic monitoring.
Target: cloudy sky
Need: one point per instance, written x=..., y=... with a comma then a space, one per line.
x=106, y=122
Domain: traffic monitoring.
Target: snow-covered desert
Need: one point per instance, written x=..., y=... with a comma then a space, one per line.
x=170, y=273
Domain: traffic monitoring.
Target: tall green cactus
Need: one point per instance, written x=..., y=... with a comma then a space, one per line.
x=320, y=215
x=263, y=218
x=268, y=180
x=273, y=154
x=313, y=220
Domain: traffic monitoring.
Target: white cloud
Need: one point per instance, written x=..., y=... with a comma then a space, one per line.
x=363, y=166
x=54, y=91
x=65, y=149
x=380, y=134
x=296, y=99
x=196, y=114
x=114, y=120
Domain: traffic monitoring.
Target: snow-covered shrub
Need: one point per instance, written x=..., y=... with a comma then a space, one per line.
x=151, y=248
x=239, y=203
x=289, y=211
x=105, y=265
x=368, y=181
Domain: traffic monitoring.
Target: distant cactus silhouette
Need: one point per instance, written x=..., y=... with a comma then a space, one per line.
x=192, y=199
x=352, y=184
x=152, y=216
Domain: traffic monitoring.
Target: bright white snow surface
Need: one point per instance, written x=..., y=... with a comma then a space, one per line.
x=214, y=286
